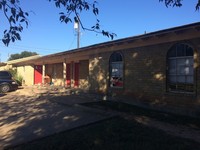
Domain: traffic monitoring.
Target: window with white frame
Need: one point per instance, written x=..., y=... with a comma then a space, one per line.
x=116, y=70
x=180, y=73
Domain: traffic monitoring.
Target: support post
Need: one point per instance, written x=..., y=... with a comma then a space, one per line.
x=43, y=73
x=64, y=72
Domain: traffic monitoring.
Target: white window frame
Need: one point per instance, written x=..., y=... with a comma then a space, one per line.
x=184, y=86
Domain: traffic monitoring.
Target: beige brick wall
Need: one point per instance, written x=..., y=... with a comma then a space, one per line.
x=84, y=74
x=98, y=72
x=144, y=76
x=27, y=72
x=145, y=70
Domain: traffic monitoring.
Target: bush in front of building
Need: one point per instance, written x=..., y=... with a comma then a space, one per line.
x=17, y=77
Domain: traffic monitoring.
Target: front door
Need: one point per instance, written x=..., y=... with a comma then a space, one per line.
x=38, y=74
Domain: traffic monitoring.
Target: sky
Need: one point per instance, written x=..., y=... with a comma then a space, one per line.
x=47, y=35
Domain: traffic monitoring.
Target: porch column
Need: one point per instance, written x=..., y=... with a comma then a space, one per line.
x=43, y=73
x=64, y=72
x=72, y=74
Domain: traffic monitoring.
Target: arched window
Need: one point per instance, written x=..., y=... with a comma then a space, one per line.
x=180, y=73
x=116, y=70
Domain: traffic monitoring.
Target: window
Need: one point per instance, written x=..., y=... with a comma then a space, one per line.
x=116, y=70
x=180, y=73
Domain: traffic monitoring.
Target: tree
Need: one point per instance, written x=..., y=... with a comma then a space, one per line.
x=17, y=18
x=21, y=55
x=178, y=3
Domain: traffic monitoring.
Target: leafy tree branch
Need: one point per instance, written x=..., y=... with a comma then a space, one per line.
x=16, y=17
x=75, y=8
x=178, y=3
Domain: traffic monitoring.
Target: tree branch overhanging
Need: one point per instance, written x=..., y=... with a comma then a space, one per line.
x=74, y=8
x=16, y=17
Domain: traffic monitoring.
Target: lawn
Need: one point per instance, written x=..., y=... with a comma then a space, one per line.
x=157, y=115
x=114, y=134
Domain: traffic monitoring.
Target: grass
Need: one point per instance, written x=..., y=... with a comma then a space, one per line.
x=114, y=134
x=158, y=115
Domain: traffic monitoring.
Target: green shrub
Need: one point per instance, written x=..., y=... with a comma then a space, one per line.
x=16, y=76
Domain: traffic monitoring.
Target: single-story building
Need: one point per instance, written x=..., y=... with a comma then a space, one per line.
x=158, y=68
x=25, y=71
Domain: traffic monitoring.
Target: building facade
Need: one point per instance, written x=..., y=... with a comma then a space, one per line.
x=159, y=68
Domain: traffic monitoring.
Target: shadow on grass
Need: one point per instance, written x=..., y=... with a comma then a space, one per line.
x=113, y=134
x=157, y=115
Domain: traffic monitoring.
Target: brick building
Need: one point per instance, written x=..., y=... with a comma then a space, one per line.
x=158, y=68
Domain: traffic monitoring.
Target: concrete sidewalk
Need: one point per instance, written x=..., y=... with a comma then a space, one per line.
x=25, y=118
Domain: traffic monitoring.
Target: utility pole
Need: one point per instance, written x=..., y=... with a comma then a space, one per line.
x=77, y=29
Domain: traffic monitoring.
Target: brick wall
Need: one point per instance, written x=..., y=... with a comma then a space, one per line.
x=27, y=72
x=145, y=69
x=145, y=76
x=84, y=74
x=98, y=72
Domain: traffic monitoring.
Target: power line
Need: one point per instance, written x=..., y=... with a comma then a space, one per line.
x=20, y=47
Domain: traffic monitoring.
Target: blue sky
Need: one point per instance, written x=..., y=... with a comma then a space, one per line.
x=46, y=34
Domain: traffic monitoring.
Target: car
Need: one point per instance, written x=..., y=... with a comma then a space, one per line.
x=7, y=83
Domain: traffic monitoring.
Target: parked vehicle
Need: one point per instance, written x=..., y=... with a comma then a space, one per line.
x=7, y=83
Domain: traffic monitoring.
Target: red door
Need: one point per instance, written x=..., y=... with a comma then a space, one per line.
x=37, y=74
x=76, y=75
x=68, y=75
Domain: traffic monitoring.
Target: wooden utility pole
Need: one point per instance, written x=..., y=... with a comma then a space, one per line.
x=77, y=29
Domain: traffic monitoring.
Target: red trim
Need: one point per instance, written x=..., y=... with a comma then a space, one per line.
x=68, y=75
x=37, y=74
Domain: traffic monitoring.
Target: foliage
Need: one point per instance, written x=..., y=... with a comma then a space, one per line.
x=74, y=8
x=178, y=3
x=13, y=72
x=21, y=55
x=18, y=78
x=16, y=18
